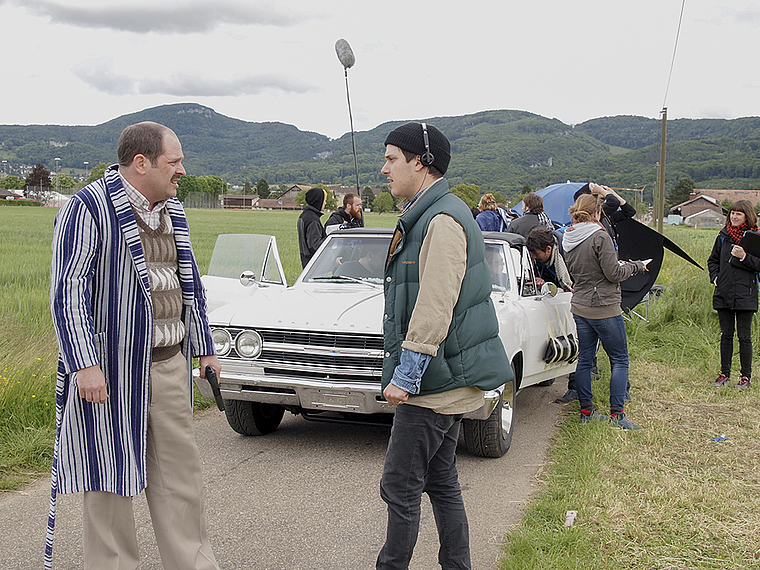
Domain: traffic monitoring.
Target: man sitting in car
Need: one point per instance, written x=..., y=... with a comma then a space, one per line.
x=369, y=264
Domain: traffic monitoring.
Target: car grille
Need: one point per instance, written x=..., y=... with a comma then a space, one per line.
x=317, y=355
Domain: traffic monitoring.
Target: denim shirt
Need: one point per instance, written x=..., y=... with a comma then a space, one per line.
x=408, y=373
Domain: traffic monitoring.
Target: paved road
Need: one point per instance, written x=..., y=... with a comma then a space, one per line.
x=305, y=497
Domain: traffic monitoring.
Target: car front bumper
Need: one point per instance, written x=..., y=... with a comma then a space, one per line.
x=314, y=395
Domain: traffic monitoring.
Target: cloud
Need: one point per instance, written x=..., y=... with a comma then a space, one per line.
x=98, y=73
x=191, y=16
x=730, y=15
x=746, y=16
x=189, y=84
x=715, y=112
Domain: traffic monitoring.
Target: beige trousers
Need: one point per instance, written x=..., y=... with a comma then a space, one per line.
x=174, y=492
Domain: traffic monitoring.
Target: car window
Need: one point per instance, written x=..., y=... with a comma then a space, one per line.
x=498, y=266
x=528, y=280
x=350, y=258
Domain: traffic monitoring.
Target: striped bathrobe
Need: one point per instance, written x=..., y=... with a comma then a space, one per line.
x=102, y=313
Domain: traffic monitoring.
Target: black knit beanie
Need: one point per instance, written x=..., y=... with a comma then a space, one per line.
x=314, y=197
x=409, y=137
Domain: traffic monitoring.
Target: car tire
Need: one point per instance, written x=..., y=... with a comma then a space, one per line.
x=492, y=437
x=253, y=418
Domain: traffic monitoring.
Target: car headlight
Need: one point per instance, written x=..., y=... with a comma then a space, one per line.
x=248, y=344
x=222, y=341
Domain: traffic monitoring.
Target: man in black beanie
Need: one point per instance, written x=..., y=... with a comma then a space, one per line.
x=441, y=343
x=311, y=233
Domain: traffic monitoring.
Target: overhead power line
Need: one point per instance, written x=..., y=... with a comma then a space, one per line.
x=673, y=60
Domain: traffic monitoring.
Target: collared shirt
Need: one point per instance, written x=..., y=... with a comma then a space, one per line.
x=408, y=205
x=408, y=373
x=141, y=206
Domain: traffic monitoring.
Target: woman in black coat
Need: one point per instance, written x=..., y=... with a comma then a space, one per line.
x=733, y=271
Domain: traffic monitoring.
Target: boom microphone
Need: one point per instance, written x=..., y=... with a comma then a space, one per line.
x=345, y=54
x=347, y=59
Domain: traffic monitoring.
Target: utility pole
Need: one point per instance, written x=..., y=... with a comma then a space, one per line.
x=655, y=195
x=660, y=207
x=57, y=175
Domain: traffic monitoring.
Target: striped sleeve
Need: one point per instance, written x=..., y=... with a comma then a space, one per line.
x=75, y=243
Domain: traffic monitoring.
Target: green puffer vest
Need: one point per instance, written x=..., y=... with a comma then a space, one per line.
x=471, y=354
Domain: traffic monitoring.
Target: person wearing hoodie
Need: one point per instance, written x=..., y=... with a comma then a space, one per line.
x=311, y=232
x=614, y=209
x=733, y=271
x=597, y=273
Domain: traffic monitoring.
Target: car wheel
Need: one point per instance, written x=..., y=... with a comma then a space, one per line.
x=492, y=437
x=253, y=418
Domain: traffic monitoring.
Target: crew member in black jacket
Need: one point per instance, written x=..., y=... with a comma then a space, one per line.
x=311, y=233
x=614, y=208
x=347, y=216
x=733, y=271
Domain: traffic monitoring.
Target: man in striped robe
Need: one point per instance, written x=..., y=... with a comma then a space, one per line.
x=129, y=312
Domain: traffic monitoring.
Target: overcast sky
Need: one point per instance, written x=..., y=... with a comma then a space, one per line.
x=85, y=62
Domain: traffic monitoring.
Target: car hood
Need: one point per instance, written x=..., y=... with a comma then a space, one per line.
x=343, y=307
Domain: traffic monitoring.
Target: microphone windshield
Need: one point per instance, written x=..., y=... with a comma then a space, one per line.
x=345, y=54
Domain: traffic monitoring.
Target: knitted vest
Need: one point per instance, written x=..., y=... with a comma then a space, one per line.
x=472, y=353
x=165, y=293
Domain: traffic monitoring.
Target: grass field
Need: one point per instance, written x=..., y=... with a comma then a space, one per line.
x=665, y=497
x=28, y=350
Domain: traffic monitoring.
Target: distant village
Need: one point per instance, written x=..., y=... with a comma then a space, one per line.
x=704, y=208
x=286, y=201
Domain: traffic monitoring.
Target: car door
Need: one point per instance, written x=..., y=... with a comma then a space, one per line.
x=536, y=318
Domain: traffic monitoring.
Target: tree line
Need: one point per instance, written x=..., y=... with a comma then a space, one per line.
x=499, y=151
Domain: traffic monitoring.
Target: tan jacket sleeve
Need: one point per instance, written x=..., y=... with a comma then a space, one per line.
x=443, y=261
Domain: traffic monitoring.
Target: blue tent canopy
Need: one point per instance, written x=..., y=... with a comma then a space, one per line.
x=557, y=201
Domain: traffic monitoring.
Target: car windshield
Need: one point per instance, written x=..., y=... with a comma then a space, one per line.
x=498, y=266
x=349, y=259
x=236, y=253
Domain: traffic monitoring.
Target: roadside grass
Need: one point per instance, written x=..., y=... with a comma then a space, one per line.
x=28, y=349
x=664, y=497
x=27, y=345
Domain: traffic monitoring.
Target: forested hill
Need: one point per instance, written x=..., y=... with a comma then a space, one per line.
x=497, y=150
x=632, y=132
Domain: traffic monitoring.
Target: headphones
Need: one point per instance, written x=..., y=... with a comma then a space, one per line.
x=427, y=158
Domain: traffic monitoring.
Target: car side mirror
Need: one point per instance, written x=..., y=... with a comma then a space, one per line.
x=548, y=289
x=247, y=278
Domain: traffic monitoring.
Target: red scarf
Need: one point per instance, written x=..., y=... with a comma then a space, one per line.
x=737, y=232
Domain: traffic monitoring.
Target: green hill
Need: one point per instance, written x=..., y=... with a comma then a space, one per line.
x=498, y=150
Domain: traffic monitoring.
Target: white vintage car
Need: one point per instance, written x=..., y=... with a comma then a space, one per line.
x=316, y=348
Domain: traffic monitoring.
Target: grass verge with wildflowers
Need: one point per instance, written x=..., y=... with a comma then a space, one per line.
x=667, y=496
